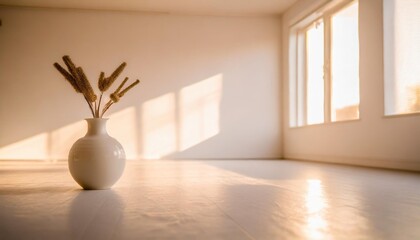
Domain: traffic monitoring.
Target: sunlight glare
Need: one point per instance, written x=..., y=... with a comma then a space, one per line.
x=316, y=204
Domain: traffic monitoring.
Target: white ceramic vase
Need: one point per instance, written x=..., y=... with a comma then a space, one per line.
x=97, y=160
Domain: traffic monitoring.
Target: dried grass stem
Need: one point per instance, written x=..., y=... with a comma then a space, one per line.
x=68, y=77
x=78, y=80
x=87, y=89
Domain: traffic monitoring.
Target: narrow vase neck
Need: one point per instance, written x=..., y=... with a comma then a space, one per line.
x=96, y=126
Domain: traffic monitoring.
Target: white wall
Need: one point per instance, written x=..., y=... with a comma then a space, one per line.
x=210, y=84
x=374, y=140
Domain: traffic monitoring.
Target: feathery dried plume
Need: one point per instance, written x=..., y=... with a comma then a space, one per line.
x=87, y=89
x=78, y=80
x=68, y=77
x=110, y=80
x=101, y=81
x=118, y=71
x=128, y=88
x=70, y=65
x=121, y=85
x=116, y=95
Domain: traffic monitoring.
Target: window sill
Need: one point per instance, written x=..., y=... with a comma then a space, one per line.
x=399, y=115
x=328, y=123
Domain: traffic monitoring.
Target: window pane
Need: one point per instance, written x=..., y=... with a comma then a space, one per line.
x=402, y=56
x=345, y=64
x=315, y=74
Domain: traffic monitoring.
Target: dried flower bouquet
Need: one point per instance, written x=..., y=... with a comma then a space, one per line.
x=78, y=80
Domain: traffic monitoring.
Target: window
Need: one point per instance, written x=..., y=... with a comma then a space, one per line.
x=345, y=64
x=402, y=56
x=315, y=73
x=324, y=66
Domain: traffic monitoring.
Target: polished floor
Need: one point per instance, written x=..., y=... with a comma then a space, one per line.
x=236, y=199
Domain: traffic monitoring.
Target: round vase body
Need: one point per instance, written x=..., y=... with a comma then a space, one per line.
x=96, y=161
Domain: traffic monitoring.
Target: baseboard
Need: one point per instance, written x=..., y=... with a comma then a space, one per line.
x=364, y=162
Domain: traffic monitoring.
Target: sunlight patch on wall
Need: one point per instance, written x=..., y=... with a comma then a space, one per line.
x=33, y=148
x=122, y=126
x=199, y=111
x=169, y=123
x=159, y=127
x=63, y=138
x=176, y=122
x=55, y=145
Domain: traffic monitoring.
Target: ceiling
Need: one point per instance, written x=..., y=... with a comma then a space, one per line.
x=193, y=7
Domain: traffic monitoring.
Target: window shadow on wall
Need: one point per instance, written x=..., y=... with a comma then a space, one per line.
x=170, y=123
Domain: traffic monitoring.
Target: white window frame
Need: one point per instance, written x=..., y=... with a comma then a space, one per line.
x=297, y=65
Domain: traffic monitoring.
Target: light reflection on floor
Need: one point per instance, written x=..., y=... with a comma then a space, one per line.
x=249, y=199
x=315, y=203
